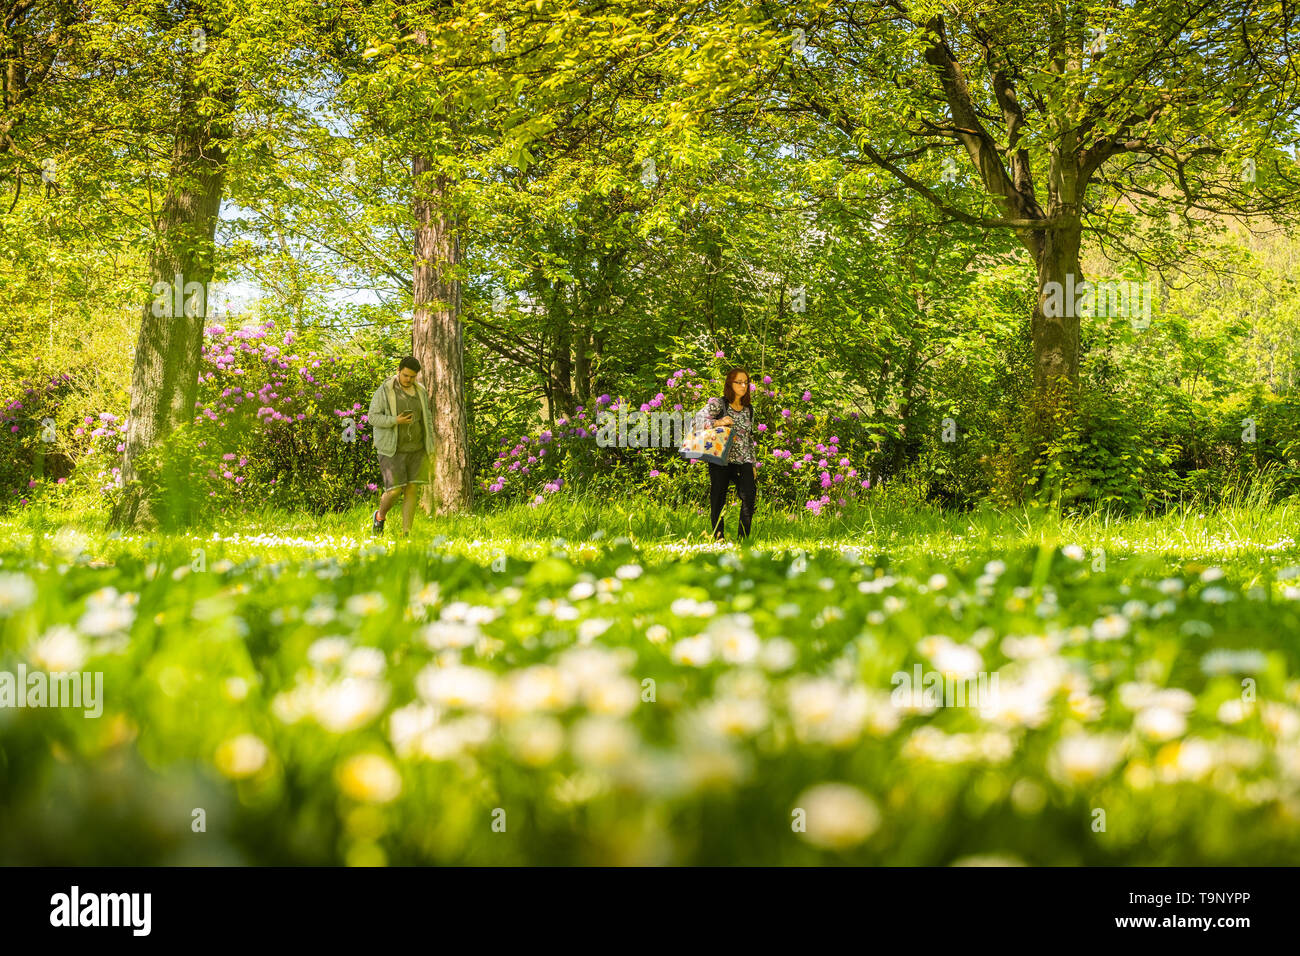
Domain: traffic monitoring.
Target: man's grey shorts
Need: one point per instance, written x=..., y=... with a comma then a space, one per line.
x=404, y=468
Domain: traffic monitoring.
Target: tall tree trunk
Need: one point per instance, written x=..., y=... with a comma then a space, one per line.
x=438, y=340
x=1056, y=337
x=164, y=378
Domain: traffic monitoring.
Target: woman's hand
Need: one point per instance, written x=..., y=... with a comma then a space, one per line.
x=725, y=420
x=405, y=418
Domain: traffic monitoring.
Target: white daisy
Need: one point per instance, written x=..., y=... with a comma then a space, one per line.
x=837, y=816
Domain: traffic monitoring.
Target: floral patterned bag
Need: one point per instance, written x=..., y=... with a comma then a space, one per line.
x=710, y=444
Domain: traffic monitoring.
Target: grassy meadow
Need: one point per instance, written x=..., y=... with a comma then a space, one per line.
x=586, y=682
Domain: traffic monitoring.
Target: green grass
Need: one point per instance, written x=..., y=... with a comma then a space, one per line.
x=501, y=665
x=1245, y=525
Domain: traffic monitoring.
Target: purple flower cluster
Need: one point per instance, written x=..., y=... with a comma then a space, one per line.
x=23, y=417
x=260, y=406
x=805, y=464
x=522, y=460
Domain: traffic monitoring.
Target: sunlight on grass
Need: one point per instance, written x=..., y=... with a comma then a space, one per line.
x=627, y=686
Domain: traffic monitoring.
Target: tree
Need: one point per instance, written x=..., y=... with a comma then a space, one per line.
x=214, y=65
x=1076, y=118
x=164, y=376
x=438, y=336
x=469, y=74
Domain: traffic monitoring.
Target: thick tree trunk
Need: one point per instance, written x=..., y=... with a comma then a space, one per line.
x=438, y=341
x=1055, y=339
x=164, y=379
x=1055, y=324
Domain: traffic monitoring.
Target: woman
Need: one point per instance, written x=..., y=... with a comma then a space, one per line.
x=733, y=409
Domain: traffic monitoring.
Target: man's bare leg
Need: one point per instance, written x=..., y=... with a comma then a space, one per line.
x=408, y=507
x=387, y=500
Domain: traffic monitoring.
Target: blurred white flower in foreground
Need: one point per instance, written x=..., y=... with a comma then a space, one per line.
x=1280, y=720
x=694, y=651
x=1040, y=645
x=59, y=649
x=348, y=704
x=537, y=740
x=1110, y=628
x=931, y=743
x=1190, y=759
x=1224, y=661
x=1138, y=696
x=408, y=725
x=958, y=661
x=582, y=590
x=603, y=742
x=327, y=651
x=734, y=716
x=471, y=688
x=369, y=778
x=440, y=635
x=1234, y=711
x=1160, y=723
x=592, y=628
x=1018, y=703
x=108, y=612
x=777, y=654
x=241, y=756
x=1217, y=595
x=825, y=711
x=540, y=687
x=592, y=665
x=69, y=543
x=318, y=615
x=366, y=662
x=17, y=592
x=364, y=605
x=469, y=613
x=1080, y=758
x=837, y=816
x=689, y=607
x=989, y=859
x=734, y=639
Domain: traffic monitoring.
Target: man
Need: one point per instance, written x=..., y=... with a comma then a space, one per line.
x=402, y=422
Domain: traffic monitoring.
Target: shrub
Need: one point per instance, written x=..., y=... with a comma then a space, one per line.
x=808, y=458
x=273, y=422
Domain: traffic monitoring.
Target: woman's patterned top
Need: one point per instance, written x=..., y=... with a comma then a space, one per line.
x=742, y=429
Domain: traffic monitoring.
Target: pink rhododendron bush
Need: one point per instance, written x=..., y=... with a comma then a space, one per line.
x=812, y=455
x=275, y=421
x=281, y=421
x=34, y=414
